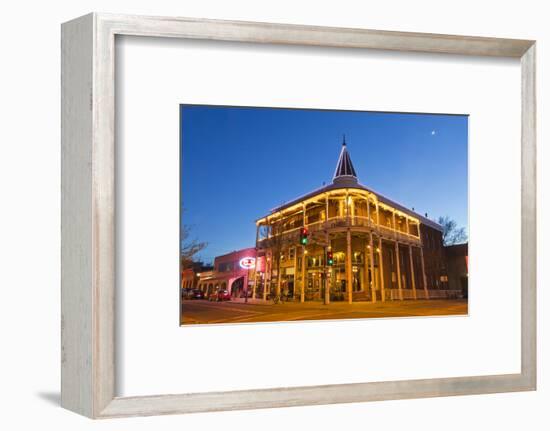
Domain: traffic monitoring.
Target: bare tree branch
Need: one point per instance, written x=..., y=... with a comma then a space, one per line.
x=189, y=248
x=451, y=233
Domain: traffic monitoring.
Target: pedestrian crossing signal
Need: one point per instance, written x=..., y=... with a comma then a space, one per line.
x=303, y=236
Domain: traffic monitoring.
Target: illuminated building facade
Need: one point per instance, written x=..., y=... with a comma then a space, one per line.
x=380, y=250
x=233, y=272
x=190, y=274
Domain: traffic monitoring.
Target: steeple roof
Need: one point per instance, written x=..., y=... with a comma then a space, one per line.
x=345, y=171
x=345, y=177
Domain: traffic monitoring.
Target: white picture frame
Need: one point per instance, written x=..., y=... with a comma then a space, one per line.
x=89, y=201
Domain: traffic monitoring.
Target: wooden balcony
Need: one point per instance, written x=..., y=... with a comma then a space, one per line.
x=336, y=223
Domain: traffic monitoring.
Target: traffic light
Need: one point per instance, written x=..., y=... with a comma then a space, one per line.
x=303, y=236
x=330, y=258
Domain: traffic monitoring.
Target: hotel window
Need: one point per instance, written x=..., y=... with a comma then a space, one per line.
x=291, y=253
x=359, y=281
x=361, y=208
x=297, y=220
x=339, y=258
x=313, y=218
x=332, y=208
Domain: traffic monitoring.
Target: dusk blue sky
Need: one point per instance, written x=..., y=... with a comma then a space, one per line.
x=239, y=163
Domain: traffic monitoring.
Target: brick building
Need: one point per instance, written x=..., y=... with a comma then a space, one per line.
x=457, y=267
x=190, y=274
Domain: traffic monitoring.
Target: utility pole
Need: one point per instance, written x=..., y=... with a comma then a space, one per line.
x=246, y=286
x=328, y=263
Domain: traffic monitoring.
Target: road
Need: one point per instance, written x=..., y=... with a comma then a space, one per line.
x=204, y=312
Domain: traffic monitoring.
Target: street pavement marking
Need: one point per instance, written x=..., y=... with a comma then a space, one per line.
x=224, y=307
x=291, y=313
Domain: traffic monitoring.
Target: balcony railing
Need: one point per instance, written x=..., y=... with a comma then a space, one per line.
x=336, y=222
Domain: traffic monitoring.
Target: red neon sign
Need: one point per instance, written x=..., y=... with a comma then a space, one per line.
x=247, y=262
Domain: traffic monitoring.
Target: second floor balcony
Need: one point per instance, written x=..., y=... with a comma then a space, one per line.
x=276, y=234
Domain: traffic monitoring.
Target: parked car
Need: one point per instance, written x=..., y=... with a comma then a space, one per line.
x=195, y=294
x=220, y=295
x=185, y=293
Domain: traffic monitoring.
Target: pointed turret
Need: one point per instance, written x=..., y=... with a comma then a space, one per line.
x=344, y=173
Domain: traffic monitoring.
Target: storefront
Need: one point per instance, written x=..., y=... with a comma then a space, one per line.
x=233, y=272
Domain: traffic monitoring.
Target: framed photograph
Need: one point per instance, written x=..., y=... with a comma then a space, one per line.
x=339, y=251
x=265, y=215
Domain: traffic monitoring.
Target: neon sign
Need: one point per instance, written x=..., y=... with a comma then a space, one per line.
x=247, y=262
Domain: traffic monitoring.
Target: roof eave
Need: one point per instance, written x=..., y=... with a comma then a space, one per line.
x=358, y=186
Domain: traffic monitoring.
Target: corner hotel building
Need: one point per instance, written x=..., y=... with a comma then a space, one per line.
x=381, y=250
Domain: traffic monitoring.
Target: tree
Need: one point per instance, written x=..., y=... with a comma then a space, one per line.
x=276, y=243
x=189, y=248
x=452, y=234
